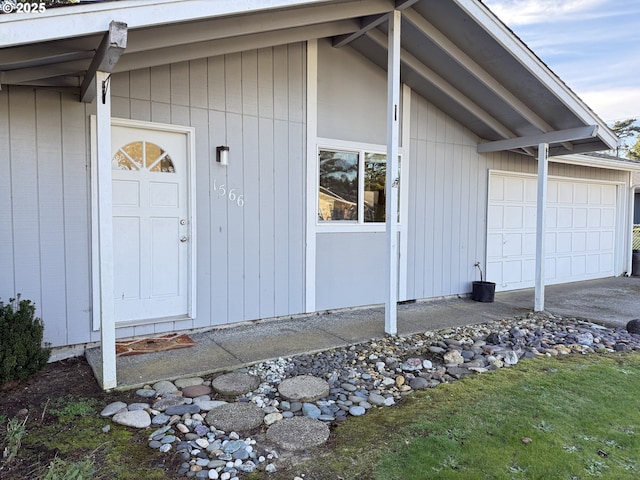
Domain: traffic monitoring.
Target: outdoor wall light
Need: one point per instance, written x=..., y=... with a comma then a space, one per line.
x=222, y=155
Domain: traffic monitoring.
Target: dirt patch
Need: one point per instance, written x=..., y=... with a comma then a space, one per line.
x=66, y=388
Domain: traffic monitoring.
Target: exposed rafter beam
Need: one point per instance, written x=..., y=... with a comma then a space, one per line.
x=111, y=48
x=38, y=58
x=25, y=75
x=152, y=58
x=55, y=82
x=369, y=23
x=441, y=84
x=559, y=136
x=466, y=62
x=366, y=24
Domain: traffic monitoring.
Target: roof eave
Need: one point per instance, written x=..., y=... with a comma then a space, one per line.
x=90, y=19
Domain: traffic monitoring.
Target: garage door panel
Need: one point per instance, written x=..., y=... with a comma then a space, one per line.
x=606, y=240
x=578, y=265
x=609, y=195
x=514, y=190
x=530, y=217
x=512, y=271
x=563, y=242
x=580, y=236
x=565, y=217
x=563, y=267
x=581, y=194
x=580, y=216
x=578, y=242
x=594, y=218
x=595, y=194
x=496, y=216
x=494, y=245
x=606, y=261
x=593, y=264
x=549, y=267
x=514, y=217
x=565, y=193
x=551, y=219
x=529, y=244
x=593, y=241
x=551, y=240
x=496, y=188
x=608, y=217
x=512, y=245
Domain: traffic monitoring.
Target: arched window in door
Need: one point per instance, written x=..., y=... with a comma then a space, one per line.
x=142, y=156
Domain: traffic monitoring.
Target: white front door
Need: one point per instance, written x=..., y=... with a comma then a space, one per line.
x=151, y=224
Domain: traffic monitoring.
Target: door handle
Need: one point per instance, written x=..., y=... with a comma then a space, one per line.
x=184, y=239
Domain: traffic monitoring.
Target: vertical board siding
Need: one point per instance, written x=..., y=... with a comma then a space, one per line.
x=45, y=209
x=250, y=257
x=7, y=256
x=448, y=196
x=51, y=209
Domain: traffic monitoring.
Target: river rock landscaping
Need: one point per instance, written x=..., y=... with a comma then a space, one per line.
x=243, y=421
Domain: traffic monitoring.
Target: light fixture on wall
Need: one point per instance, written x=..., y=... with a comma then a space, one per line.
x=222, y=155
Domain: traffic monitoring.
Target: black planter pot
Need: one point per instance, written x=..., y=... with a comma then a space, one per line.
x=483, y=291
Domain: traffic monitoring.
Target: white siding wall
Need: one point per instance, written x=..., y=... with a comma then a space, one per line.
x=448, y=200
x=250, y=259
x=44, y=209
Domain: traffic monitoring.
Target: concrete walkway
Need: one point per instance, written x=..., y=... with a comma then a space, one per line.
x=611, y=302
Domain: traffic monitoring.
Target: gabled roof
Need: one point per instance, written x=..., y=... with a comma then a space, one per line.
x=455, y=53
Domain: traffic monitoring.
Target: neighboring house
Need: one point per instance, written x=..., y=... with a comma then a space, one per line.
x=118, y=220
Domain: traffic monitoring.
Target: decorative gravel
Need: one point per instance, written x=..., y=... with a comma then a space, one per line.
x=374, y=374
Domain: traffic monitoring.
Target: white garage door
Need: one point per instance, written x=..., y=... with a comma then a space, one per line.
x=580, y=238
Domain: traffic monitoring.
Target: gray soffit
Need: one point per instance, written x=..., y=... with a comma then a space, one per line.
x=455, y=53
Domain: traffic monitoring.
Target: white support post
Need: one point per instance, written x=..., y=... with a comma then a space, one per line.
x=543, y=169
x=105, y=230
x=392, y=180
x=312, y=175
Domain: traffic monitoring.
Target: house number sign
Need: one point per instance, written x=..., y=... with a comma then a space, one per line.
x=232, y=194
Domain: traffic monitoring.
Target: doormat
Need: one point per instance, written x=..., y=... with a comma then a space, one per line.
x=148, y=345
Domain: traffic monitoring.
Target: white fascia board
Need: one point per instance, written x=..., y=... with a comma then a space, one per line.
x=501, y=33
x=597, y=162
x=79, y=20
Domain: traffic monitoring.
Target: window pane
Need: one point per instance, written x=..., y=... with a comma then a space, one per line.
x=375, y=198
x=338, y=196
x=375, y=171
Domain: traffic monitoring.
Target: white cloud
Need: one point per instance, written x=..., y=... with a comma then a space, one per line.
x=525, y=12
x=614, y=104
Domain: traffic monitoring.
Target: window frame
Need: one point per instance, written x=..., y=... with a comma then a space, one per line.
x=360, y=149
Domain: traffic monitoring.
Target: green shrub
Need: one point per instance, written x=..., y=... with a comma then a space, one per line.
x=21, y=350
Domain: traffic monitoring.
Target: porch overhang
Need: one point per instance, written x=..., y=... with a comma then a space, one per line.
x=456, y=54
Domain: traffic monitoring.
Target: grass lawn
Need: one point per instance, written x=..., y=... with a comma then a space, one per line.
x=579, y=417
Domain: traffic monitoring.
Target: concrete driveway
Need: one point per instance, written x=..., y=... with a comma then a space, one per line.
x=608, y=301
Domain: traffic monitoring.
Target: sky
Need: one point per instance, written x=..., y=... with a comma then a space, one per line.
x=592, y=45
